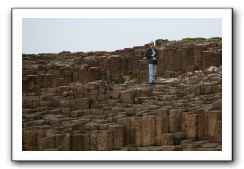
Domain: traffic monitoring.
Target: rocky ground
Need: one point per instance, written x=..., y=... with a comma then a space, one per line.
x=181, y=113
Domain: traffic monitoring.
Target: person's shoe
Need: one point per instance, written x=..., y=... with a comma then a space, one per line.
x=152, y=83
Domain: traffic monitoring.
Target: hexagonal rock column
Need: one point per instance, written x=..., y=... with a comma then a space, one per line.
x=105, y=140
x=191, y=125
x=148, y=130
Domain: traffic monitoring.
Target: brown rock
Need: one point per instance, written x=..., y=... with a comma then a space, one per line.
x=119, y=135
x=191, y=125
x=127, y=96
x=213, y=118
x=148, y=130
x=168, y=148
x=93, y=139
x=30, y=137
x=202, y=123
x=178, y=137
x=48, y=142
x=80, y=142
x=125, y=121
x=136, y=122
x=174, y=121
x=168, y=139
x=105, y=140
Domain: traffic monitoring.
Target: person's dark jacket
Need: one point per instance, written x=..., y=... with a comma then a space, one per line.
x=149, y=57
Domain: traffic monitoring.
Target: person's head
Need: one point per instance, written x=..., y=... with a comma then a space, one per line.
x=151, y=44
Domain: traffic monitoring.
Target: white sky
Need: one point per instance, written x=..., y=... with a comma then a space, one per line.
x=56, y=35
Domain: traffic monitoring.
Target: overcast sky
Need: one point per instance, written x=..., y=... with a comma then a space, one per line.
x=56, y=35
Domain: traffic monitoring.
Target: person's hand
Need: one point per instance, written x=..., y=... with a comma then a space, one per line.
x=144, y=58
x=154, y=58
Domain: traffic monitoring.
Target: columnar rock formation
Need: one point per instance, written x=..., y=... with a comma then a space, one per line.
x=99, y=101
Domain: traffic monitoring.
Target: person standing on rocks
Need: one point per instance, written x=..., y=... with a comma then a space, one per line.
x=152, y=58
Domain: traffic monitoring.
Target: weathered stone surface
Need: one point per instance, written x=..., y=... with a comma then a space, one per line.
x=127, y=96
x=202, y=123
x=168, y=139
x=213, y=118
x=94, y=73
x=48, y=142
x=168, y=148
x=178, y=137
x=99, y=101
x=158, y=130
x=143, y=92
x=30, y=137
x=80, y=142
x=105, y=140
x=209, y=145
x=206, y=88
x=174, y=121
x=115, y=67
x=148, y=130
x=162, y=126
x=119, y=135
x=76, y=113
x=137, y=126
x=210, y=58
x=93, y=139
x=187, y=59
x=66, y=142
x=191, y=125
x=125, y=121
x=189, y=147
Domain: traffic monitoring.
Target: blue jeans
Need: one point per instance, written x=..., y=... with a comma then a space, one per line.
x=152, y=73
